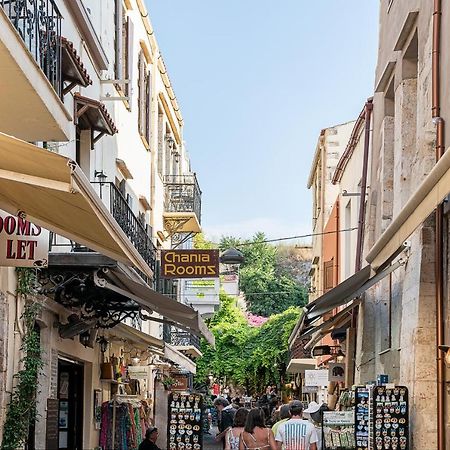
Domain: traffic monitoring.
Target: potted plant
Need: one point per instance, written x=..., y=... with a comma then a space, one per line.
x=168, y=382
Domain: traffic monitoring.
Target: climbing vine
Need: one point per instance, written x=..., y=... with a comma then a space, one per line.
x=22, y=407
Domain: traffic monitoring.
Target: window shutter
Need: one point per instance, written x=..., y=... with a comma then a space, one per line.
x=148, y=106
x=328, y=270
x=142, y=97
x=130, y=40
x=118, y=19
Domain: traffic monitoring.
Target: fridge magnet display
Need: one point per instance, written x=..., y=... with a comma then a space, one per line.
x=362, y=418
x=184, y=421
x=391, y=418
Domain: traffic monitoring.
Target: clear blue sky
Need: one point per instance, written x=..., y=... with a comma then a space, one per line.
x=256, y=81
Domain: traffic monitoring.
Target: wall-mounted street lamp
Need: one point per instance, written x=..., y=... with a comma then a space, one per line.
x=103, y=343
x=232, y=257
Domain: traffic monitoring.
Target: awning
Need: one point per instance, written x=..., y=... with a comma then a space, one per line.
x=178, y=358
x=430, y=193
x=177, y=313
x=53, y=192
x=342, y=294
x=137, y=337
x=339, y=320
x=72, y=68
x=299, y=365
x=91, y=114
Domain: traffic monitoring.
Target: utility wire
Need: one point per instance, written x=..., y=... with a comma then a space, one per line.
x=239, y=244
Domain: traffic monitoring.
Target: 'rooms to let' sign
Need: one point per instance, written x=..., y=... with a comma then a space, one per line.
x=22, y=243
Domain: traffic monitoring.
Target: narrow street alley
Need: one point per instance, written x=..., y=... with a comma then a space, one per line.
x=209, y=441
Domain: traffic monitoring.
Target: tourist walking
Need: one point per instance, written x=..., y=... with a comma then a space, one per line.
x=256, y=436
x=296, y=433
x=233, y=434
x=225, y=417
x=284, y=415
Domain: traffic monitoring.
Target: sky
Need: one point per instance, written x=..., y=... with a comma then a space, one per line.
x=256, y=81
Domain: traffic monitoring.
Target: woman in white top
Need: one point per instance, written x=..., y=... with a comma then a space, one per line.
x=233, y=434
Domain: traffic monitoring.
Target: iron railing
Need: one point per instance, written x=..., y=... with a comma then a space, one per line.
x=183, y=194
x=130, y=224
x=178, y=338
x=38, y=23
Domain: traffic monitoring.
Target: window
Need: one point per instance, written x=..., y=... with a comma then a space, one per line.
x=144, y=86
x=123, y=51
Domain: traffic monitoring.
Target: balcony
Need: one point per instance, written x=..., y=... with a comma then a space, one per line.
x=137, y=232
x=183, y=341
x=30, y=79
x=182, y=204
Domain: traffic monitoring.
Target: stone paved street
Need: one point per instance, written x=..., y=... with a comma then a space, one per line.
x=209, y=443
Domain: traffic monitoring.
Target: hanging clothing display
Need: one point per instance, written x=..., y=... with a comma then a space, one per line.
x=123, y=424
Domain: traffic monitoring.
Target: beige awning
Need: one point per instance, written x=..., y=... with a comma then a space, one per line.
x=178, y=358
x=178, y=313
x=299, y=365
x=136, y=337
x=53, y=192
x=430, y=193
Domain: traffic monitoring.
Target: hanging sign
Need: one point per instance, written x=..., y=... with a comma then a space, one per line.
x=336, y=372
x=316, y=378
x=189, y=263
x=181, y=382
x=138, y=372
x=22, y=244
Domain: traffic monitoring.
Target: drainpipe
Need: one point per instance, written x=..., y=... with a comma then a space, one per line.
x=439, y=231
x=362, y=205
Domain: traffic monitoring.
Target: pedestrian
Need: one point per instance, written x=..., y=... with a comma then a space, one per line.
x=284, y=415
x=149, y=443
x=296, y=433
x=256, y=436
x=225, y=419
x=233, y=434
x=314, y=414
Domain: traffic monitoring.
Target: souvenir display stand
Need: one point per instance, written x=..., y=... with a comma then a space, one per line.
x=390, y=410
x=338, y=430
x=363, y=417
x=185, y=425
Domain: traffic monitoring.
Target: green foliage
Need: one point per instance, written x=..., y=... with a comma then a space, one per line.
x=268, y=288
x=201, y=243
x=247, y=356
x=22, y=406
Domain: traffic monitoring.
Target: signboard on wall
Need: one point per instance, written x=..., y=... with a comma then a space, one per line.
x=181, y=382
x=336, y=372
x=206, y=290
x=316, y=378
x=22, y=244
x=138, y=372
x=189, y=263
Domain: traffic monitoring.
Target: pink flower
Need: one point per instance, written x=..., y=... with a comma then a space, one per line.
x=256, y=321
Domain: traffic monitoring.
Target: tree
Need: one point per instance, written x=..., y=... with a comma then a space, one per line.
x=267, y=286
x=245, y=355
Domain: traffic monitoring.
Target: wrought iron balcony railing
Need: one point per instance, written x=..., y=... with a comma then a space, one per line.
x=183, y=194
x=130, y=224
x=39, y=24
x=178, y=338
